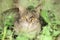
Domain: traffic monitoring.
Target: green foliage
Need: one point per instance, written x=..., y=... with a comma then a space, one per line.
x=44, y=14
x=49, y=31
x=22, y=37
x=7, y=21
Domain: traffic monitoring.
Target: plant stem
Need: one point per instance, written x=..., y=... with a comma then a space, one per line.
x=4, y=33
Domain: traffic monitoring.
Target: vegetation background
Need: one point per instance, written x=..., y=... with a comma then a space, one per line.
x=50, y=13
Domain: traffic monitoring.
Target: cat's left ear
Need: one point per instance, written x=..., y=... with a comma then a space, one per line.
x=37, y=10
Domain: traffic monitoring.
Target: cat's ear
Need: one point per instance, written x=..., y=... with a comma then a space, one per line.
x=37, y=10
x=22, y=10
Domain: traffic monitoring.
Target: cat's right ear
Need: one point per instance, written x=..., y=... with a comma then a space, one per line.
x=22, y=10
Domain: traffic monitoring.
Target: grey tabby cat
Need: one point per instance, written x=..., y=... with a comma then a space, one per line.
x=28, y=21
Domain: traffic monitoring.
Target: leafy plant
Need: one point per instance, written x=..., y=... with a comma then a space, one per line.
x=49, y=13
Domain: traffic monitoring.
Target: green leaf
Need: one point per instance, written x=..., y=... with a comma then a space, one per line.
x=21, y=38
x=56, y=33
x=44, y=14
x=44, y=37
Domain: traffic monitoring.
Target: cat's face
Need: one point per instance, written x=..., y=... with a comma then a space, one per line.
x=29, y=16
x=29, y=22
